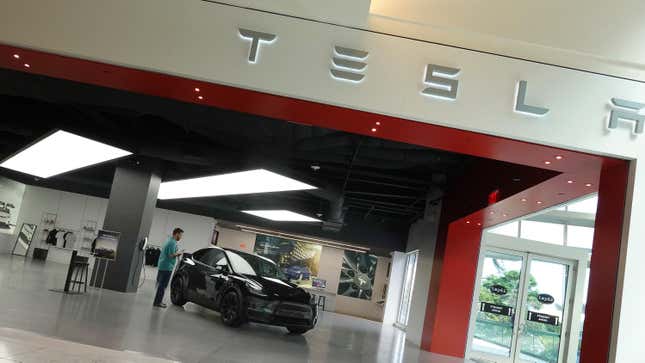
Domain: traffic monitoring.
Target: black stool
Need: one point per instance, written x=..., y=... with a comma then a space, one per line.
x=321, y=302
x=81, y=270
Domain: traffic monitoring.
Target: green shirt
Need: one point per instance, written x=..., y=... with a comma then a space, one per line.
x=166, y=261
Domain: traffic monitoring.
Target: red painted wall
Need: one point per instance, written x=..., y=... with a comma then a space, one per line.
x=605, y=258
x=450, y=297
x=457, y=282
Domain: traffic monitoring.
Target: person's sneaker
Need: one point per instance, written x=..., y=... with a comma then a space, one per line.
x=161, y=305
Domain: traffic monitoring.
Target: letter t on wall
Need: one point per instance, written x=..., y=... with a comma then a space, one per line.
x=256, y=38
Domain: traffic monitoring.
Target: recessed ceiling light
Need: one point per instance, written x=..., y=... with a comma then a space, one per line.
x=467, y=222
x=281, y=215
x=479, y=224
x=547, y=162
x=539, y=202
x=61, y=152
x=491, y=212
x=523, y=199
x=196, y=89
x=27, y=65
x=17, y=56
x=505, y=215
x=588, y=184
x=570, y=181
x=245, y=182
x=374, y=129
x=559, y=157
x=378, y=123
x=200, y=97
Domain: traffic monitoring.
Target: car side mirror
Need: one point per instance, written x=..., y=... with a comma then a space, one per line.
x=221, y=269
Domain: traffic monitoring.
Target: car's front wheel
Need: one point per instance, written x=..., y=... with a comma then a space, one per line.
x=297, y=330
x=231, y=309
x=177, y=292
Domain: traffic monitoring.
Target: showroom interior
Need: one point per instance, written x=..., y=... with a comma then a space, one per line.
x=425, y=227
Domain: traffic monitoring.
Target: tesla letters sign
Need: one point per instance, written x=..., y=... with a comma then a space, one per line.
x=442, y=82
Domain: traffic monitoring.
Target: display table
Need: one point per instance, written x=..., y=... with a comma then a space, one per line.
x=40, y=254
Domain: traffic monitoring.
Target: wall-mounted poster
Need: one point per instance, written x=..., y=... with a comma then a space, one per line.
x=298, y=260
x=11, y=193
x=357, y=275
x=106, y=244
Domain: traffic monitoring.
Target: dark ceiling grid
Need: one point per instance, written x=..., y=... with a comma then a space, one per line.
x=380, y=186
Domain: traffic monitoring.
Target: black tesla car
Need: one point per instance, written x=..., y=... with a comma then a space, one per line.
x=242, y=287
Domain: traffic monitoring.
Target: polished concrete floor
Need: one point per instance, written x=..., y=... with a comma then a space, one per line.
x=128, y=323
x=19, y=346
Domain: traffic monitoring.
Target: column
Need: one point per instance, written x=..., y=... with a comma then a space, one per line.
x=130, y=210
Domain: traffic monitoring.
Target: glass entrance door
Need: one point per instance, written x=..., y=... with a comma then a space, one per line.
x=408, y=285
x=520, y=313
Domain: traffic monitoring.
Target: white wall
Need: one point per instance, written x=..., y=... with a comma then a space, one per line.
x=573, y=33
x=236, y=240
x=198, y=230
x=73, y=209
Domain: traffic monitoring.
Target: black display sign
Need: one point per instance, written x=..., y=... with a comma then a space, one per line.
x=498, y=290
x=545, y=299
x=496, y=309
x=543, y=318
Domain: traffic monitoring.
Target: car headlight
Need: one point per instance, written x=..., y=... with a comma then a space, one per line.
x=255, y=288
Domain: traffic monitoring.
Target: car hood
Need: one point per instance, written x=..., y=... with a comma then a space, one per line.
x=278, y=289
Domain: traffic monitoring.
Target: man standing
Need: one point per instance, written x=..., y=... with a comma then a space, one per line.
x=167, y=259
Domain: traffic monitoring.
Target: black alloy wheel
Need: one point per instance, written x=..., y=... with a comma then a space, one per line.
x=230, y=309
x=297, y=330
x=177, y=292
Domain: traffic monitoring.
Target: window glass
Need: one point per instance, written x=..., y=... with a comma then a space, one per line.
x=248, y=264
x=215, y=257
x=588, y=205
x=581, y=237
x=543, y=232
x=200, y=255
x=509, y=229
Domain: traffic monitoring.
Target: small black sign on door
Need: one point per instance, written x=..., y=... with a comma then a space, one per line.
x=496, y=309
x=545, y=299
x=543, y=318
x=498, y=290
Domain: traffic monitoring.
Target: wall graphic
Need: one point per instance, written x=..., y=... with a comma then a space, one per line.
x=11, y=193
x=357, y=275
x=299, y=261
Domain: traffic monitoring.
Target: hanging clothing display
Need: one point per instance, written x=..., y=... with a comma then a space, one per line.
x=68, y=238
x=51, y=237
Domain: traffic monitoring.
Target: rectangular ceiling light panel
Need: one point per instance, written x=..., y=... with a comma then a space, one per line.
x=61, y=152
x=281, y=215
x=245, y=182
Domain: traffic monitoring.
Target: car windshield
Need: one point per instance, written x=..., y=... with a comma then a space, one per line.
x=248, y=264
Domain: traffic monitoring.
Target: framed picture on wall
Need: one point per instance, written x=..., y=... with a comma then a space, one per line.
x=357, y=275
x=299, y=261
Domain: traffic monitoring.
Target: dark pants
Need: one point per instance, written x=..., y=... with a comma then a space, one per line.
x=163, y=277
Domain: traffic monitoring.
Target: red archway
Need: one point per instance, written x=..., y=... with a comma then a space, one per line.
x=447, y=315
